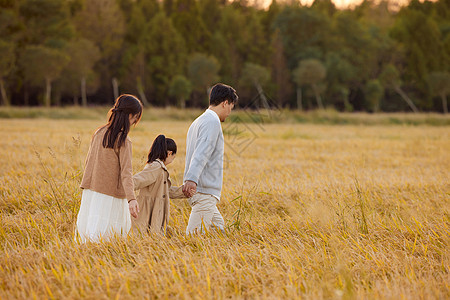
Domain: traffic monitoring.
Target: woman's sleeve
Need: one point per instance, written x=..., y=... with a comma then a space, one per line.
x=147, y=176
x=126, y=170
x=176, y=192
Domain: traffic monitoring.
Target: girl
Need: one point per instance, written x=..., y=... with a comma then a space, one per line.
x=107, y=182
x=155, y=188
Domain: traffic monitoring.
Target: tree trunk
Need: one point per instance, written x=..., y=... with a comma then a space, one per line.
x=444, y=103
x=347, y=106
x=261, y=94
x=181, y=103
x=3, y=92
x=115, y=84
x=318, y=98
x=57, y=97
x=26, y=95
x=406, y=98
x=83, y=92
x=75, y=100
x=376, y=106
x=48, y=92
x=299, y=98
x=140, y=89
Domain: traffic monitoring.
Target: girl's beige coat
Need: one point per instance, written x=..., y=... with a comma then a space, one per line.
x=154, y=186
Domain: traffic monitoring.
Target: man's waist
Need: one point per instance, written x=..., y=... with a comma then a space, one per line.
x=215, y=192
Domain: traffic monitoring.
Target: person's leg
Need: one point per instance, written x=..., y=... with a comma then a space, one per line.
x=217, y=219
x=203, y=212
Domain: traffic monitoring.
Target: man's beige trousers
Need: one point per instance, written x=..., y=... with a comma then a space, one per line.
x=204, y=214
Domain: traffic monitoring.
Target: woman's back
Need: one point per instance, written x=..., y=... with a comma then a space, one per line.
x=106, y=169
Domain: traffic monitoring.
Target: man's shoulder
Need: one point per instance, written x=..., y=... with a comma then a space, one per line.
x=205, y=120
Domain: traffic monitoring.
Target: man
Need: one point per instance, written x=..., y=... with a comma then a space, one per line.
x=203, y=173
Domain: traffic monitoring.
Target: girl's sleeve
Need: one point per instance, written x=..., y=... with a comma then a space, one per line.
x=147, y=176
x=126, y=170
x=176, y=192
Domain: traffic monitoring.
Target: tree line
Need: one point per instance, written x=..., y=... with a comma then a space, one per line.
x=169, y=52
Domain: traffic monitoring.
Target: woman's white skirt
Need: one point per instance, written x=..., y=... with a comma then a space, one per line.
x=102, y=217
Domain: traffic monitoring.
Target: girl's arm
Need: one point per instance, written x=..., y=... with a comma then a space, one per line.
x=176, y=192
x=147, y=176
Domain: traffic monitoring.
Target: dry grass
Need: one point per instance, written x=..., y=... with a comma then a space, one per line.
x=286, y=116
x=314, y=211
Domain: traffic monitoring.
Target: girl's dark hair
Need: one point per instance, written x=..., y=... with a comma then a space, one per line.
x=119, y=123
x=161, y=145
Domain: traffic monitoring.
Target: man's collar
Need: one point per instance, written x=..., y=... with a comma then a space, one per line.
x=210, y=111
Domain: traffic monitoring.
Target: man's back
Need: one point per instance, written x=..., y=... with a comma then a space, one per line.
x=204, y=154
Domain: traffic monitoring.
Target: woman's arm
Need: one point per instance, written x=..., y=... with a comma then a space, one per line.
x=126, y=170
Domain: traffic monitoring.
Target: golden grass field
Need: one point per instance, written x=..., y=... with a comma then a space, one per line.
x=312, y=211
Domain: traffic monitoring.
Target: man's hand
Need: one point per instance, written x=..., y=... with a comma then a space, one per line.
x=189, y=188
x=134, y=208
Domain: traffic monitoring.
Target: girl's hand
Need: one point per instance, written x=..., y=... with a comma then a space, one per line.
x=134, y=208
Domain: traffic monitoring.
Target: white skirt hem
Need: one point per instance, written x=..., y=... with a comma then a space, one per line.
x=101, y=217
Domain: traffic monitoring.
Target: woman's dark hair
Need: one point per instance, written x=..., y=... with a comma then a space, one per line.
x=119, y=122
x=222, y=92
x=161, y=145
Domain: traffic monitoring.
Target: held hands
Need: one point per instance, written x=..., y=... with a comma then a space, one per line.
x=189, y=188
x=134, y=208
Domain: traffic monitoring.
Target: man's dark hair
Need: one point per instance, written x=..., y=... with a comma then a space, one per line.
x=222, y=92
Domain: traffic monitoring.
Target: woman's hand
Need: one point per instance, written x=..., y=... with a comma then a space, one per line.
x=134, y=208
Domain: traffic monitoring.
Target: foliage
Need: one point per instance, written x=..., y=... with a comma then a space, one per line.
x=202, y=71
x=142, y=45
x=180, y=88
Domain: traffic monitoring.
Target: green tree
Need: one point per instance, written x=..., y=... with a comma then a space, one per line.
x=280, y=71
x=305, y=33
x=353, y=43
x=133, y=71
x=203, y=71
x=164, y=54
x=257, y=76
x=423, y=42
x=43, y=64
x=326, y=7
x=423, y=47
x=83, y=56
x=374, y=92
x=7, y=60
x=11, y=24
x=103, y=23
x=340, y=76
x=47, y=22
x=210, y=12
x=311, y=72
x=181, y=89
x=440, y=86
x=187, y=21
x=390, y=78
